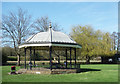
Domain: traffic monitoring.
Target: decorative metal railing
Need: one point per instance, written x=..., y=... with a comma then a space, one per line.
x=54, y=66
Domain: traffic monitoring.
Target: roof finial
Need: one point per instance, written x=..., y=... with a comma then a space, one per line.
x=50, y=25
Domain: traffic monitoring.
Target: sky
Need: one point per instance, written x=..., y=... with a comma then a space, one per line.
x=99, y=15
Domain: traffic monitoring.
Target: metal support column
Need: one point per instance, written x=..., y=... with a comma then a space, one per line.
x=50, y=52
x=75, y=57
x=58, y=59
x=66, y=58
x=34, y=57
x=70, y=59
x=30, y=59
x=25, y=57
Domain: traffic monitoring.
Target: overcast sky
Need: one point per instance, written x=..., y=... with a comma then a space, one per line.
x=100, y=15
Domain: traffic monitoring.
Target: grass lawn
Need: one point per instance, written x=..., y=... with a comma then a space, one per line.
x=108, y=73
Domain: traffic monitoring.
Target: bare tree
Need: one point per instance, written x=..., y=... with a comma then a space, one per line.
x=42, y=24
x=114, y=37
x=118, y=45
x=15, y=29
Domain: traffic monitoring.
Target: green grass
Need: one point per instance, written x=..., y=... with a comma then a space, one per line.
x=108, y=73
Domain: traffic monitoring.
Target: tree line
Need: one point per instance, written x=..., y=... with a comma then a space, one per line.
x=94, y=43
x=18, y=26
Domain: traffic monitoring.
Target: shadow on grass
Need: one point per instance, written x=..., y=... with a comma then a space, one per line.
x=86, y=70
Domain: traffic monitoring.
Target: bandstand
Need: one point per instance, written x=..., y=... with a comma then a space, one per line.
x=51, y=40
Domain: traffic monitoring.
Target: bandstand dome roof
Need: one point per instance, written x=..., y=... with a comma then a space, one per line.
x=46, y=37
x=50, y=38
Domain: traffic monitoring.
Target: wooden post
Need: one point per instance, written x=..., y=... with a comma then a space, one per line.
x=30, y=59
x=70, y=59
x=66, y=58
x=34, y=57
x=75, y=57
x=50, y=52
x=25, y=57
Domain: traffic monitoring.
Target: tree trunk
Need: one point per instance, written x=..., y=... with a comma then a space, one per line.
x=87, y=59
x=102, y=59
x=18, y=59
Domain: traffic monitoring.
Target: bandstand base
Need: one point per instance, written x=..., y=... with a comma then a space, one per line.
x=47, y=71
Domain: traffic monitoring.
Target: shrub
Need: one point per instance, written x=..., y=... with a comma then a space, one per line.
x=11, y=58
x=4, y=57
